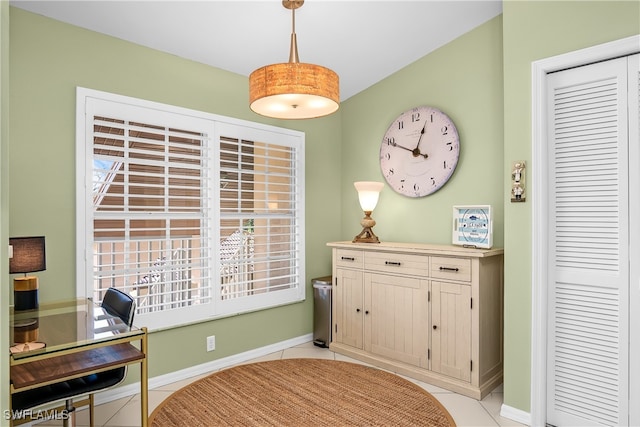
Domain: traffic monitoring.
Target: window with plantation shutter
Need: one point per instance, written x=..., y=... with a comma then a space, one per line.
x=192, y=215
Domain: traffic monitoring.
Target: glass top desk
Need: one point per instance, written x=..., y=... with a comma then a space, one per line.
x=63, y=340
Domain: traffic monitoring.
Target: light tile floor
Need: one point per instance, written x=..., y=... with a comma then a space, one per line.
x=465, y=411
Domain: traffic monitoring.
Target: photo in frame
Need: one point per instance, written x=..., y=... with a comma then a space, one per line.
x=473, y=226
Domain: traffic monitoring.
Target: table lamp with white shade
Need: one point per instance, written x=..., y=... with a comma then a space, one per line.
x=368, y=194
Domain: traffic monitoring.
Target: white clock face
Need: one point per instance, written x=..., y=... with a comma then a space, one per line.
x=419, y=151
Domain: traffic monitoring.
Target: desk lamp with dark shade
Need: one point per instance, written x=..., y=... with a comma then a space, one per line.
x=28, y=256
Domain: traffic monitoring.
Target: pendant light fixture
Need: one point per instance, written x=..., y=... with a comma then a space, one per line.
x=294, y=90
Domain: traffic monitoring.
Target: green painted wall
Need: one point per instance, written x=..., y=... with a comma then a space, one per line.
x=463, y=79
x=48, y=59
x=535, y=30
x=4, y=193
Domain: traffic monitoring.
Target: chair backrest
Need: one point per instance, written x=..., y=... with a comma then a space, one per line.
x=117, y=303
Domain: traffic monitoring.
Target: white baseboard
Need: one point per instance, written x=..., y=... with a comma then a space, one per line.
x=514, y=414
x=214, y=365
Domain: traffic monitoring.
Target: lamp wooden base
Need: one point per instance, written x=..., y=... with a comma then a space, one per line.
x=25, y=293
x=366, y=235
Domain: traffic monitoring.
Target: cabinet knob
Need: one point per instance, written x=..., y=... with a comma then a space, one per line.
x=357, y=310
x=366, y=312
x=435, y=327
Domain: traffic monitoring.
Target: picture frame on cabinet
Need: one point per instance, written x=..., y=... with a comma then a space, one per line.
x=473, y=226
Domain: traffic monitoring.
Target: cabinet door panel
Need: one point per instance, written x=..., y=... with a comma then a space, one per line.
x=396, y=317
x=349, y=307
x=451, y=330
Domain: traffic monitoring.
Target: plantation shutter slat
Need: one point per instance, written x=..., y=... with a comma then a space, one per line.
x=588, y=346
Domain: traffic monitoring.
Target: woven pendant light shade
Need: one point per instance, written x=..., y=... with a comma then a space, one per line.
x=294, y=90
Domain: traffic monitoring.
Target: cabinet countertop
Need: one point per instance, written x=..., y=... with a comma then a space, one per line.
x=420, y=248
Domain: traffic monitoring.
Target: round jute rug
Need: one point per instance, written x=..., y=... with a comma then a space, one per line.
x=301, y=392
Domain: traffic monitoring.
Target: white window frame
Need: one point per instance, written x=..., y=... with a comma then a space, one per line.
x=216, y=127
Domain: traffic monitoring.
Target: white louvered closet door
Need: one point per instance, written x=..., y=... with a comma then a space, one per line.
x=588, y=278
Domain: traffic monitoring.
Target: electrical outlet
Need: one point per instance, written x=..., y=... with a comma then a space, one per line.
x=211, y=343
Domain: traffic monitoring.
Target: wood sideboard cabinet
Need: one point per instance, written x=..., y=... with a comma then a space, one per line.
x=431, y=312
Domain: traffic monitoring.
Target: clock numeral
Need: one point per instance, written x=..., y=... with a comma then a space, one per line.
x=402, y=183
x=387, y=156
x=391, y=141
x=401, y=124
x=433, y=181
x=444, y=130
x=391, y=171
x=431, y=118
x=415, y=117
x=450, y=144
x=416, y=187
x=444, y=164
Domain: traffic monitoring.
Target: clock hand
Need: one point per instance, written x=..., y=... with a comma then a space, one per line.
x=420, y=138
x=400, y=146
x=416, y=151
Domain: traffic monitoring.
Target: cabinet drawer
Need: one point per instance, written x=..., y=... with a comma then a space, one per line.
x=348, y=258
x=451, y=268
x=415, y=265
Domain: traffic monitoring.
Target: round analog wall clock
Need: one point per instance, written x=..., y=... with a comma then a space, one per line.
x=419, y=151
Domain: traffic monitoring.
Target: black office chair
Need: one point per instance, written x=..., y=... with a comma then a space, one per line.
x=115, y=303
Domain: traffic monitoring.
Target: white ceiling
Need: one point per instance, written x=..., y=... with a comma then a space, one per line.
x=363, y=41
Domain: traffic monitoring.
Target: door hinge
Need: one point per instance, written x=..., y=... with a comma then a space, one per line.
x=428, y=296
x=428, y=354
x=471, y=366
x=336, y=328
x=471, y=306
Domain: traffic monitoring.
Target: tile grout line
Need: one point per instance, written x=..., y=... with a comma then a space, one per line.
x=489, y=412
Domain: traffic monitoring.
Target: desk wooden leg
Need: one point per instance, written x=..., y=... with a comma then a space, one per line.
x=10, y=406
x=144, y=382
x=91, y=410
